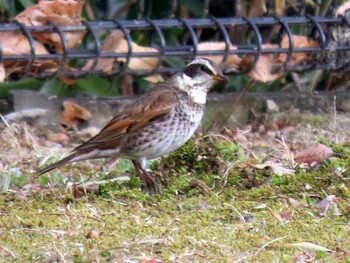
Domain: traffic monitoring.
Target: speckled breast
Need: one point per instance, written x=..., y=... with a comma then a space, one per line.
x=165, y=134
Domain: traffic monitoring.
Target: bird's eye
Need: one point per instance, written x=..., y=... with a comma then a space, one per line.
x=203, y=68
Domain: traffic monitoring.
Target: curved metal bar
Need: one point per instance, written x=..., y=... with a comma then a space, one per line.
x=318, y=27
x=226, y=39
x=97, y=48
x=193, y=36
x=321, y=28
x=31, y=41
x=345, y=20
x=289, y=33
x=62, y=60
x=162, y=45
x=130, y=51
x=259, y=45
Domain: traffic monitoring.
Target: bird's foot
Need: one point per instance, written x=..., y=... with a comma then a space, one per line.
x=150, y=185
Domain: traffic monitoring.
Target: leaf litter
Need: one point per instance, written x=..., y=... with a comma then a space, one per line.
x=294, y=200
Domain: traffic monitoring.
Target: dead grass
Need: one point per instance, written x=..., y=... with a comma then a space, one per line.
x=244, y=214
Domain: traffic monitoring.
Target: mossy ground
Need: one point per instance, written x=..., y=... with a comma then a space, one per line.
x=214, y=207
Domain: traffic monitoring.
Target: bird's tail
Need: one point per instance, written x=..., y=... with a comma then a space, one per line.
x=55, y=165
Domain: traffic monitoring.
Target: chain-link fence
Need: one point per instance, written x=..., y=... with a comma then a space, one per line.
x=236, y=36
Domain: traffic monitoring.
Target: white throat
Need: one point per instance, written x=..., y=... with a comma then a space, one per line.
x=198, y=96
x=196, y=88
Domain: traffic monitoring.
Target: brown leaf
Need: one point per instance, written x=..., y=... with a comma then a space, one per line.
x=296, y=203
x=109, y=45
x=277, y=168
x=143, y=63
x=17, y=44
x=232, y=60
x=342, y=8
x=59, y=12
x=280, y=6
x=137, y=220
x=60, y=138
x=283, y=217
x=328, y=206
x=152, y=260
x=93, y=234
x=314, y=154
x=257, y=8
x=262, y=70
x=298, y=42
x=73, y=115
x=117, y=43
x=2, y=72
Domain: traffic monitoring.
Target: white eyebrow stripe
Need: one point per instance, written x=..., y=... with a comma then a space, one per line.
x=205, y=62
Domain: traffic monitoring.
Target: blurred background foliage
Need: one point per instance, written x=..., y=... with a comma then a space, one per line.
x=156, y=9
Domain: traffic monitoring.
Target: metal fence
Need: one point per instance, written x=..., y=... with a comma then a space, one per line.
x=246, y=35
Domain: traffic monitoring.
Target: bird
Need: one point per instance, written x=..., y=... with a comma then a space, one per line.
x=157, y=123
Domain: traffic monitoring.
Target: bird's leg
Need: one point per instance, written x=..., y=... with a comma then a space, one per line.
x=141, y=175
x=146, y=177
x=151, y=181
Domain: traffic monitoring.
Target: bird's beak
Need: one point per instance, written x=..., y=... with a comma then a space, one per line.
x=220, y=77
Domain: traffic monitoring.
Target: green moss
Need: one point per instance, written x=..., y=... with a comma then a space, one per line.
x=208, y=206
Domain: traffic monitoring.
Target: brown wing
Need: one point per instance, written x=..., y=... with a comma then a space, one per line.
x=149, y=107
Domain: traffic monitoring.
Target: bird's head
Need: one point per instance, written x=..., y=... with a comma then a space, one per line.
x=198, y=77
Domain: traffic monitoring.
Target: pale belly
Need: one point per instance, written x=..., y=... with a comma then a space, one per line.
x=162, y=136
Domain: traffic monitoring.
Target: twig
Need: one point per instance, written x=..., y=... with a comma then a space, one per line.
x=290, y=154
x=241, y=217
x=244, y=90
x=9, y=251
x=269, y=243
x=262, y=248
x=4, y=120
x=241, y=94
x=297, y=81
x=58, y=252
x=335, y=118
x=3, y=212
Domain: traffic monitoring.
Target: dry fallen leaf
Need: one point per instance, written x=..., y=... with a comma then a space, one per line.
x=283, y=216
x=257, y=8
x=109, y=45
x=280, y=6
x=298, y=42
x=307, y=246
x=277, y=168
x=17, y=44
x=314, y=154
x=152, y=260
x=296, y=203
x=117, y=43
x=137, y=220
x=73, y=115
x=93, y=234
x=58, y=12
x=328, y=206
x=232, y=60
x=342, y=8
x=2, y=73
x=60, y=138
x=262, y=70
x=139, y=63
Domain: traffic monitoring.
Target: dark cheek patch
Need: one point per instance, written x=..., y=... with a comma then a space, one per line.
x=191, y=70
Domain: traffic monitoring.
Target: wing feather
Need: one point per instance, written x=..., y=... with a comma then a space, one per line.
x=149, y=107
